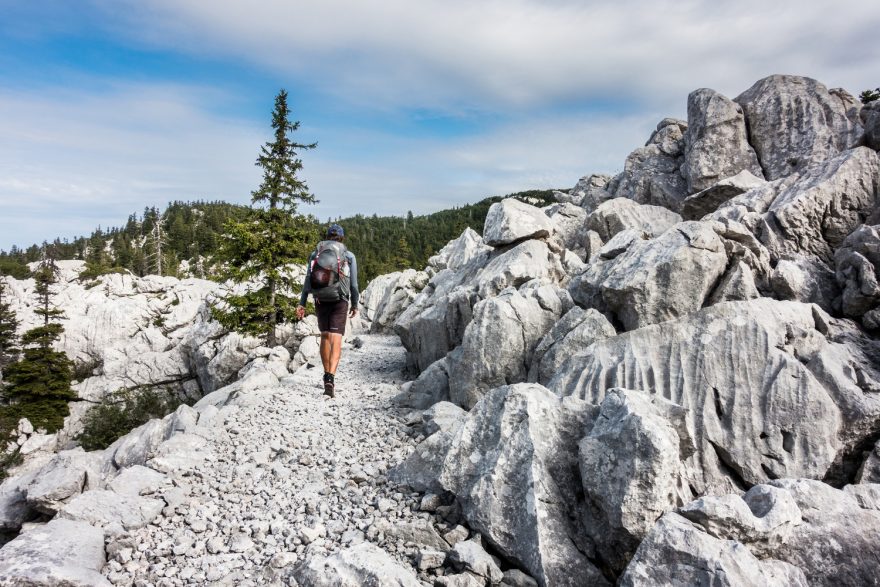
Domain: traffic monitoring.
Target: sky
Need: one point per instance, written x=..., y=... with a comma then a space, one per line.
x=110, y=106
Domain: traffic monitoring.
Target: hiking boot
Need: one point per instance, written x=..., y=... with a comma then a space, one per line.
x=329, y=386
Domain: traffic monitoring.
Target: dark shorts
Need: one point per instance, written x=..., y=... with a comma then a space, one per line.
x=332, y=316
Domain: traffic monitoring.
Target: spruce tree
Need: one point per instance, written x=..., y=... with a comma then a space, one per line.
x=39, y=384
x=262, y=246
x=8, y=328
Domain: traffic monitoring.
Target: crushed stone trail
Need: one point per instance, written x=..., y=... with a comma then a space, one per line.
x=289, y=473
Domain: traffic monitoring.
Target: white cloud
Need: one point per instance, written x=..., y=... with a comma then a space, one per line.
x=72, y=160
x=81, y=158
x=520, y=54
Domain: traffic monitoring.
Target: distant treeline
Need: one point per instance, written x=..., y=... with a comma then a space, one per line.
x=182, y=240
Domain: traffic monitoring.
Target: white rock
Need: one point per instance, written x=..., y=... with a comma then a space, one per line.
x=61, y=552
x=510, y=221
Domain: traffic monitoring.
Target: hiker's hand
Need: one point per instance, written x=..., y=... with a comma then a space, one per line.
x=300, y=312
x=353, y=313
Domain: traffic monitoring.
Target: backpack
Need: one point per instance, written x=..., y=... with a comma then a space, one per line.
x=330, y=278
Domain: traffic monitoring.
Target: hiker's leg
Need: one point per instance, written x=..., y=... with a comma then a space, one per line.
x=335, y=352
x=326, y=352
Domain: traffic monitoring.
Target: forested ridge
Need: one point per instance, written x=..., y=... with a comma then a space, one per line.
x=183, y=239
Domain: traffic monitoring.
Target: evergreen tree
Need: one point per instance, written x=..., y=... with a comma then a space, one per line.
x=39, y=383
x=8, y=328
x=869, y=95
x=273, y=236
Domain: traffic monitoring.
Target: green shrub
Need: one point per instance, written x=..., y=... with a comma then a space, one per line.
x=85, y=369
x=123, y=411
x=870, y=95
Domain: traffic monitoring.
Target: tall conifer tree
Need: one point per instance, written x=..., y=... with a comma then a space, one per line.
x=39, y=384
x=261, y=247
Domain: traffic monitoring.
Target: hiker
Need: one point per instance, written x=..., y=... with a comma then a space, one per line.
x=331, y=278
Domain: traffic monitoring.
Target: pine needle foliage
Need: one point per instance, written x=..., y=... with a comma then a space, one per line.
x=8, y=328
x=39, y=384
x=870, y=95
x=272, y=237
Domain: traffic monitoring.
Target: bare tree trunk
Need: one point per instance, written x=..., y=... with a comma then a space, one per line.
x=272, y=317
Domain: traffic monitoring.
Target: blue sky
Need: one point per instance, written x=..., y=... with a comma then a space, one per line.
x=108, y=106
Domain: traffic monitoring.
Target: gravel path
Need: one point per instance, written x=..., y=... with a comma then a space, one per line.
x=288, y=474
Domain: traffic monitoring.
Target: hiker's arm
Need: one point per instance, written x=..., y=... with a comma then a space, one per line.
x=307, y=282
x=355, y=294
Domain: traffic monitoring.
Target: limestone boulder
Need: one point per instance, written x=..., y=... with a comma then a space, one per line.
x=499, y=343
x=679, y=552
x=115, y=512
x=573, y=332
x=620, y=214
x=631, y=470
x=736, y=285
x=592, y=191
x=652, y=174
x=870, y=116
x=815, y=213
x=716, y=142
x=138, y=480
x=430, y=387
x=837, y=530
x=458, y=252
x=808, y=280
x=704, y=202
x=14, y=508
x=138, y=446
x=510, y=221
x=869, y=472
x=795, y=122
x=363, y=564
x=421, y=470
x=569, y=226
x=63, y=552
x=656, y=280
x=814, y=533
x=857, y=264
x=435, y=322
x=513, y=467
x=67, y=475
x=800, y=409
x=387, y=297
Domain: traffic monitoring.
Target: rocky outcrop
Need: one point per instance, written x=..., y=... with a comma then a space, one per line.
x=645, y=282
x=716, y=142
x=790, y=532
x=483, y=362
x=510, y=221
x=434, y=323
x=458, y=252
x=575, y=331
x=61, y=552
x=857, y=264
x=791, y=413
x=708, y=200
x=364, y=564
x=569, y=227
x=814, y=214
x=591, y=191
x=870, y=116
x=652, y=174
x=677, y=551
x=619, y=214
x=631, y=470
x=387, y=297
x=795, y=122
x=513, y=467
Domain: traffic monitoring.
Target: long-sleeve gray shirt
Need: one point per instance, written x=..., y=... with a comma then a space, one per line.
x=353, y=269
